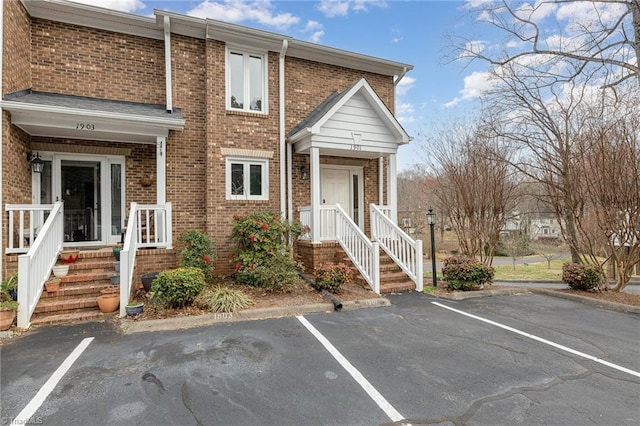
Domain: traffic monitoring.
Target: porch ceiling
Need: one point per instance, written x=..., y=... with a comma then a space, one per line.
x=76, y=117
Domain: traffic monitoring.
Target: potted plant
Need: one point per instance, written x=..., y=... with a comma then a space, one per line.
x=60, y=270
x=147, y=280
x=52, y=285
x=8, y=311
x=115, y=279
x=69, y=256
x=116, y=253
x=108, y=302
x=10, y=286
x=134, y=308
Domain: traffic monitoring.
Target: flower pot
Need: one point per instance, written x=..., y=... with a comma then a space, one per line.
x=108, y=302
x=117, y=266
x=61, y=270
x=6, y=318
x=112, y=289
x=14, y=294
x=52, y=285
x=69, y=256
x=116, y=253
x=115, y=279
x=147, y=280
x=134, y=310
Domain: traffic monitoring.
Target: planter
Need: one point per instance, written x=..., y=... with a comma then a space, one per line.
x=6, y=318
x=116, y=253
x=61, y=270
x=13, y=294
x=108, y=302
x=115, y=279
x=147, y=280
x=133, y=310
x=117, y=266
x=52, y=285
x=69, y=256
x=112, y=289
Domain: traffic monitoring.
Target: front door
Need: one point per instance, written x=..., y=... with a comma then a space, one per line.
x=343, y=185
x=91, y=188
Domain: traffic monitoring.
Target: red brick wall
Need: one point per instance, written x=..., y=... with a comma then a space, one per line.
x=16, y=72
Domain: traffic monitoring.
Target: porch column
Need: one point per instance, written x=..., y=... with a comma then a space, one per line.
x=381, y=181
x=161, y=170
x=392, y=187
x=315, y=195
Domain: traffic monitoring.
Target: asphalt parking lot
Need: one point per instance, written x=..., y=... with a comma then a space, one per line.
x=526, y=359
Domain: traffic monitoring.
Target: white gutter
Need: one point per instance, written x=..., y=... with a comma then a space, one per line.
x=400, y=77
x=1, y=120
x=283, y=163
x=167, y=63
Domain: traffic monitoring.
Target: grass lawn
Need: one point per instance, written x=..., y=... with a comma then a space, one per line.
x=538, y=271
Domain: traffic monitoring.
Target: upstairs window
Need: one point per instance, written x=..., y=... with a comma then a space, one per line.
x=246, y=81
x=247, y=179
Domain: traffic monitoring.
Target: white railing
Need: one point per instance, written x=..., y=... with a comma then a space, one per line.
x=364, y=254
x=405, y=252
x=28, y=227
x=327, y=222
x=34, y=267
x=148, y=226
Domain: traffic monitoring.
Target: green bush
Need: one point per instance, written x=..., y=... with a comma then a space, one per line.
x=196, y=250
x=178, y=287
x=263, y=254
x=330, y=276
x=581, y=277
x=464, y=273
x=223, y=300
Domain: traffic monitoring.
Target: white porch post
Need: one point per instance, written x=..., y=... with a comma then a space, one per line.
x=381, y=181
x=392, y=187
x=161, y=182
x=315, y=195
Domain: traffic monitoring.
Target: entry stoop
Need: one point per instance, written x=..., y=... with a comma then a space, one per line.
x=76, y=298
x=392, y=278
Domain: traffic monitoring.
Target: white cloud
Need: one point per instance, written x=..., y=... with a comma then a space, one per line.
x=332, y=8
x=121, y=5
x=315, y=29
x=262, y=12
x=405, y=85
x=475, y=85
x=405, y=113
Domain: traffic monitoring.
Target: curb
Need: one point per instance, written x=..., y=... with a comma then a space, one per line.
x=462, y=295
x=131, y=326
x=613, y=306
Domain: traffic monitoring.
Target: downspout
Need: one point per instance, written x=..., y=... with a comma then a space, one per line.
x=167, y=63
x=1, y=126
x=283, y=163
x=400, y=77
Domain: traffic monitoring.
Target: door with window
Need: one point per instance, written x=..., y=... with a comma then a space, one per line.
x=342, y=185
x=92, y=191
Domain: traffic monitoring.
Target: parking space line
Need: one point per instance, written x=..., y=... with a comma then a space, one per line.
x=391, y=412
x=545, y=341
x=36, y=402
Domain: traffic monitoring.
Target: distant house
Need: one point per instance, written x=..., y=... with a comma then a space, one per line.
x=544, y=227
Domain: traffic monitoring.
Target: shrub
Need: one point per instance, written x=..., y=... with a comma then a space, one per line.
x=10, y=284
x=330, y=276
x=464, y=273
x=196, y=250
x=223, y=300
x=263, y=253
x=581, y=277
x=178, y=287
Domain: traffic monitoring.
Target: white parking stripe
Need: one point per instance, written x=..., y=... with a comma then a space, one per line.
x=393, y=414
x=545, y=341
x=36, y=402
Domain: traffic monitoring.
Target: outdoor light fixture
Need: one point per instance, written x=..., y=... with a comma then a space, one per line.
x=303, y=172
x=37, y=165
x=431, y=220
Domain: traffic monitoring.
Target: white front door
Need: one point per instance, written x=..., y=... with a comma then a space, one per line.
x=343, y=185
x=91, y=188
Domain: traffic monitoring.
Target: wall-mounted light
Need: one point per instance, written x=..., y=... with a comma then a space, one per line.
x=37, y=165
x=303, y=172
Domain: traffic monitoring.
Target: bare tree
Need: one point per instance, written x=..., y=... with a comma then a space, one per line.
x=597, y=36
x=475, y=185
x=548, y=251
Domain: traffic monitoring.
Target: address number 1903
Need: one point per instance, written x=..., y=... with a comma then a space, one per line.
x=85, y=126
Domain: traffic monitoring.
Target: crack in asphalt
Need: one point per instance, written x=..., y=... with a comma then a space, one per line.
x=188, y=402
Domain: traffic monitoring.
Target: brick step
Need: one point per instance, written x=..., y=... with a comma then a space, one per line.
x=59, y=305
x=93, y=264
x=393, y=277
x=77, y=277
x=397, y=287
x=73, y=290
x=69, y=317
x=389, y=267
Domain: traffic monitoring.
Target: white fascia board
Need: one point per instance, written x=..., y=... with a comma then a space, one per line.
x=62, y=113
x=244, y=36
x=94, y=17
x=181, y=24
x=300, y=135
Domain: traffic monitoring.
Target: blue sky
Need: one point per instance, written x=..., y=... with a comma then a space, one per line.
x=411, y=32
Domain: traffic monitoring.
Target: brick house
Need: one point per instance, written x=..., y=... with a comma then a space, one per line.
x=134, y=129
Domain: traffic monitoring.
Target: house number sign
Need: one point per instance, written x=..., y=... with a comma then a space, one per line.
x=356, y=147
x=85, y=126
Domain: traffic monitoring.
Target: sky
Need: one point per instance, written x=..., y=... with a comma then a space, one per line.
x=413, y=32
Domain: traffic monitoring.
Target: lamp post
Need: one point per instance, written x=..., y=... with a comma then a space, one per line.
x=431, y=220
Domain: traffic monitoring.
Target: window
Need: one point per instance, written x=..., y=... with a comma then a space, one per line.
x=247, y=179
x=246, y=81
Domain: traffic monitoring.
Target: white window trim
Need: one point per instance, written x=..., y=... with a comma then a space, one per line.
x=246, y=163
x=265, y=79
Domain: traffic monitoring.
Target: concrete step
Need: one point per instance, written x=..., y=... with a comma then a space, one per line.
x=69, y=317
